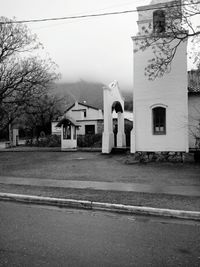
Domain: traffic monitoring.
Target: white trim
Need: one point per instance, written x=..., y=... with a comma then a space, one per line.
x=158, y=105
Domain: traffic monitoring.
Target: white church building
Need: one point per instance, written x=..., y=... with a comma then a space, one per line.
x=160, y=107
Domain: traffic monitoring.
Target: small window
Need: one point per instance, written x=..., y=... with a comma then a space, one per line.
x=85, y=113
x=67, y=132
x=159, y=21
x=159, y=120
x=89, y=129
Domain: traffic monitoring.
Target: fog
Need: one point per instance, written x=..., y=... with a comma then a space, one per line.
x=97, y=49
x=93, y=49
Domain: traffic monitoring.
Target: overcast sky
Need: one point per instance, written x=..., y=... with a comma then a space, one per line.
x=93, y=49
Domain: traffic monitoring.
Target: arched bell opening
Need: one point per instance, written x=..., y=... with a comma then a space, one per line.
x=118, y=124
x=117, y=108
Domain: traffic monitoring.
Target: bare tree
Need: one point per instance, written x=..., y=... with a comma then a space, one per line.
x=15, y=39
x=23, y=78
x=172, y=24
x=42, y=111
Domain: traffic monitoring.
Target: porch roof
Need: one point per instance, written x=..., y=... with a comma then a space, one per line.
x=66, y=120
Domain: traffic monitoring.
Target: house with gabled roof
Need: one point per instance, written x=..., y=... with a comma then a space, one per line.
x=88, y=117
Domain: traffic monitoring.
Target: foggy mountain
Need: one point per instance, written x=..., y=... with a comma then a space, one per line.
x=91, y=93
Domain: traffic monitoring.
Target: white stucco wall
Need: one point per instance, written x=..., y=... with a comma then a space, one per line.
x=193, y=118
x=77, y=112
x=171, y=91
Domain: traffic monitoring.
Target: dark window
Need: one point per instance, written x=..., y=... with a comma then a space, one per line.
x=67, y=132
x=159, y=120
x=89, y=129
x=85, y=113
x=159, y=21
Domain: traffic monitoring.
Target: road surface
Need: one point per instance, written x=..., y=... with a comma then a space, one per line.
x=45, y=236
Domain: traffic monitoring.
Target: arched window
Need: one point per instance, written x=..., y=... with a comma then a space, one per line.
x=159, y=21
x=159, y=120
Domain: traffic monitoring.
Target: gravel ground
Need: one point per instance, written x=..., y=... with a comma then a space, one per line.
x=127, y=198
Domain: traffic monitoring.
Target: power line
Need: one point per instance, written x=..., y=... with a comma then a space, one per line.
x=96, y=10
x=94, y=15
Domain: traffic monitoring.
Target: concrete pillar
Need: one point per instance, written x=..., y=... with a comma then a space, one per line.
x=62, y=145
x=71, y=130
x=121, y=138
x=108, y=136
x=133, y=147
x=15, y=136
x=10, y=134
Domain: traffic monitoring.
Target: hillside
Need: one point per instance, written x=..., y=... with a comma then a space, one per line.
x=81, y=91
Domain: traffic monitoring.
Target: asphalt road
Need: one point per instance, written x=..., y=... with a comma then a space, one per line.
x=45, y=236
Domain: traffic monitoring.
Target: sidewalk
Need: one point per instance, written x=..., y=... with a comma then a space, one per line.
x=193, y=191
x=170, y=197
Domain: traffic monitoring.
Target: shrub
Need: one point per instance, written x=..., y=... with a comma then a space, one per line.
x=90, y=140
x=48, y=141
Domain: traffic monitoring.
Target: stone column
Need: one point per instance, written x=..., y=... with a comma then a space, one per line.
x=108, y=136
x=15, y=135
x=62, y=142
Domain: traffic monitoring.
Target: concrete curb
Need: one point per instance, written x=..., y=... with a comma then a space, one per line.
x=84, y=204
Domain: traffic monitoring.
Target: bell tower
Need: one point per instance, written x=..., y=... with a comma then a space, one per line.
x=160, y=94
